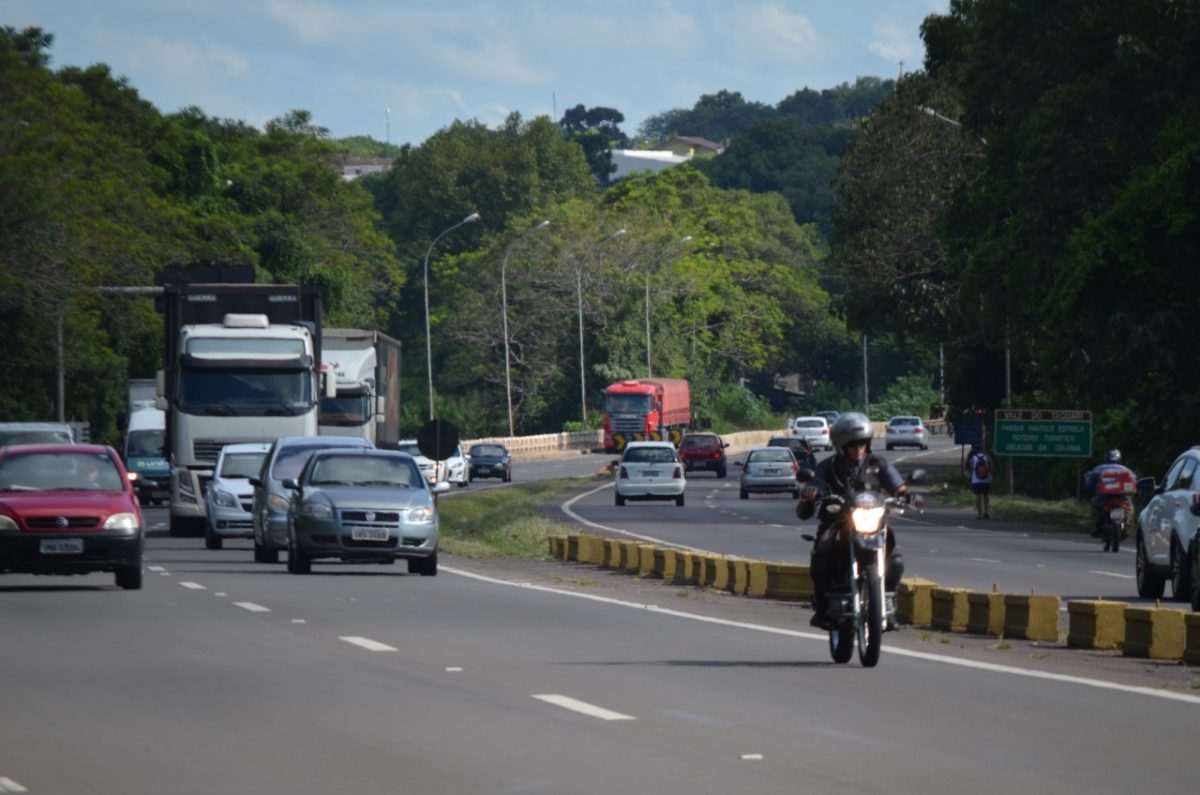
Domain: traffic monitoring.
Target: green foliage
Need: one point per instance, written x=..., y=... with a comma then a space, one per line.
x=597, y=131
x=910, y=394
x=366, y=146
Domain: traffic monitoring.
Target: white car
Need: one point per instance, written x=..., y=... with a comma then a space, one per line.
x=429, y=469
x=456, y=469
x=814, y=430
x=906, y=431
x=229, y=498
x=1165, y=528
x=650, y=471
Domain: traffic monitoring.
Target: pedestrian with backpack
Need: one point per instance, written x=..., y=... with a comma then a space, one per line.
x=981, y=467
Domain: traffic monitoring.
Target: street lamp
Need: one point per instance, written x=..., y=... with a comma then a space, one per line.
x=579, y=293
x=504, y=305
x=428, y=345
x=660, y=258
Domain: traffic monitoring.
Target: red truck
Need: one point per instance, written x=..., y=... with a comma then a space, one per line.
x=646, y=409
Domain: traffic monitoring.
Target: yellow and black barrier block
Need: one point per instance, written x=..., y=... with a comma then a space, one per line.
x=1191, y=646
x=664, y=563
x=572, y=547
x=1032, y=617
x=914, y=601
x=646, y=560
x=558, y=548
x=1095, y=624
x=948, y=609
x=612, y=553
x=1153, y=632
x=738, y=576
x=685, y=568
x=985, y=613
x=631, y=554
x=756, y=582
x=788, y=581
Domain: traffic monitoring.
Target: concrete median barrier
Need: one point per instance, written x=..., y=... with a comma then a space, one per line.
x=1095, y=624
x=914, y=601
x=1154, y=632
x=985, y=613
x=948, y=609
x=1191, y=647
x=1031, y=617
x=788, y=581
x=756, y=582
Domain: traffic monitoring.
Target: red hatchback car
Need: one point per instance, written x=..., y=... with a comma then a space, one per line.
x=703, y=451
x=69, y=509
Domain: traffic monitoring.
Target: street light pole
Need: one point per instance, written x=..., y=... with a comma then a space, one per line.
x=428, y=344
x=504, y=309
x=579, y=294
x=666, y=251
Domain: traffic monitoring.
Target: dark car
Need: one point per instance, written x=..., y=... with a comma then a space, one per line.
x=69, y=509
x=703, y=451
x=801, y=449
x=489, y=460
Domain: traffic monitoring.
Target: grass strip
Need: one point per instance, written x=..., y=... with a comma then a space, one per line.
x=1067, y=513
x=507, y=522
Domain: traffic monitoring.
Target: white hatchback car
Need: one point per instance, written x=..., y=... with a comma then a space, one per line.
x=650, y=471
x=814, y=430
x=229, y=498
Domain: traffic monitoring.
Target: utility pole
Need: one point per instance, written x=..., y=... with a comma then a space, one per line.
x=866, y=391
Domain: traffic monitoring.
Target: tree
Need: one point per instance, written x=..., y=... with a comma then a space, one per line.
x=597, y=132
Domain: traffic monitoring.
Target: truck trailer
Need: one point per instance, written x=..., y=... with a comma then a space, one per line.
x=242, y=364
x=646, y=409
x=366, y=365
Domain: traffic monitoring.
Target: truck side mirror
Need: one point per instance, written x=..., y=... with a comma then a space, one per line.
x=330, y=384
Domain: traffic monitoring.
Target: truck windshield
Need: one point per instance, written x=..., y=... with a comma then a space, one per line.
x=627, y=404
x=238, y=393
x=144, y=443
x=345, y=411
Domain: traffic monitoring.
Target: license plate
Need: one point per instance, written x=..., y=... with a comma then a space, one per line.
x=484, y=469
x=61, y=546
x=649, y=473
x=369, y=534
x=1117, y=514
x=769, y=472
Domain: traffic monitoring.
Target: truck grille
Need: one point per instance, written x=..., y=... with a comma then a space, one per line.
x=622, y=424
x=207, y=450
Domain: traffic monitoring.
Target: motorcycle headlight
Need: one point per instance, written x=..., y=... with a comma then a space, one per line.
x=277, y=504
x=224, y=499
x=420, y=515
x=867, y=521
x=317, y=510
x=123, y=522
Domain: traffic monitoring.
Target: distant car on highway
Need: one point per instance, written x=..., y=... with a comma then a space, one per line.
x=703, y=451
x=801, y=450
x=35, y=433
x=650, y=471
x=830, y=416
x=489, y=460
x=905, y=431
x=769, y=469
x=69, y=509
x=229, y=498
x=814, y=430
x=362, y=505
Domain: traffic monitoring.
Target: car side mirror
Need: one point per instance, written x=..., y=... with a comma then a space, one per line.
x=255, y=482
x=440, y=487
x=291, y=484
x=916, y=476
x=1146, y=486
x=739, y=463
x=804, y=474
x=724, y=445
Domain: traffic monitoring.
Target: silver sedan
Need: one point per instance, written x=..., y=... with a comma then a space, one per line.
x=362, y=505
x=767, y=469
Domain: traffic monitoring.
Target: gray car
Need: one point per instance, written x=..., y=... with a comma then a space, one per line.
x=285, y=459
x=229, y=498
x=362, y=505
x=767, y=469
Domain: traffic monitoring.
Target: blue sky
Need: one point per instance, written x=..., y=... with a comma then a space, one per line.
x=401, y=70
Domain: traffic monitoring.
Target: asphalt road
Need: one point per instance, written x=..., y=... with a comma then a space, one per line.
x=540, y=677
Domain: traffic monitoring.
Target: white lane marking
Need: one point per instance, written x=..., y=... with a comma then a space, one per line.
x=454, y=670
x=193, y=586
x=1114, y=574
x=582, y=707
x=367, y=643
x=253, y=608
x=780, y=526
x=752, y=757
x=220, y=593
x=299, y=621
x=8, y=785
x=566, y=508
x=155, y=568
x=824, y=638
x=983, y=560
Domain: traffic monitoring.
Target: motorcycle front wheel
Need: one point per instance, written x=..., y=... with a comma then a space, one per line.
x=841, y=641
x=870, y=619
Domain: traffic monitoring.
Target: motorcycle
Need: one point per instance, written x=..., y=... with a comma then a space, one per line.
x=859, y=605
x=1115, y=506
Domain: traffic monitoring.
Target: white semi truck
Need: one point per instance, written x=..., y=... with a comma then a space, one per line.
x=242, y=364
x=366, y=365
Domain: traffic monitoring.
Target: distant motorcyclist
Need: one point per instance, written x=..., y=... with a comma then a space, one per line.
x=842, y=474
x=1099, y=483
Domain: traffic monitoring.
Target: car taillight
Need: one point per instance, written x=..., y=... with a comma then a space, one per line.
x=795, y=467
x=624, y=474
x=678, y=473
x=824, y=431
x=891, y=429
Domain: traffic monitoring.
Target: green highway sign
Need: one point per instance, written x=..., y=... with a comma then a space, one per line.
x=1043, y=433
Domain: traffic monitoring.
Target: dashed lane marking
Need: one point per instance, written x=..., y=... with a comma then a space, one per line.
x=582, y=707
x=8, y=785
x=367, y=643
x=253, y=608
x=193, y=586
x=1114, y=574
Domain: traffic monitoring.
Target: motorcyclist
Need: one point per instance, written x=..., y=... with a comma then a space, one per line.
x=842, y=474
x=1091, y=482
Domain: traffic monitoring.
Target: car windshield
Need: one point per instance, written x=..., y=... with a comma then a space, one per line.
x=59, y=472
x=809, y=424
x=699, y=441
x=768, y=456
x=897, y=421
x=364, y=470
x=650, y=455
x=242, y=465
x=290, y=460
x=791, y=444
x=487, y=450
x=144, y=443
x=409, y=447
x=627, y=404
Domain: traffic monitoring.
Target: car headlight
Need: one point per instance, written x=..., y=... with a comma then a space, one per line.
x=7, y=523
x=224, y=499
x=277, y=504
x=317, y=510
x=420, y=515
x=123, y=522
x=133, y=476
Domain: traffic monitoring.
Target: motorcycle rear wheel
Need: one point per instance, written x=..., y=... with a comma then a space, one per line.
x=841, y=641
x=1113, y=542
x=870, y=620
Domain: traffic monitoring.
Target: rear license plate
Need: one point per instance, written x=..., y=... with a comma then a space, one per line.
x=369, y=534
x=1117, y=514
x=649, y=473
x=61, y=546
x=770, y=472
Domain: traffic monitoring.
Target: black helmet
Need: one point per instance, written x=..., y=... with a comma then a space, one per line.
x=852, y=427
x=1113, y=456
